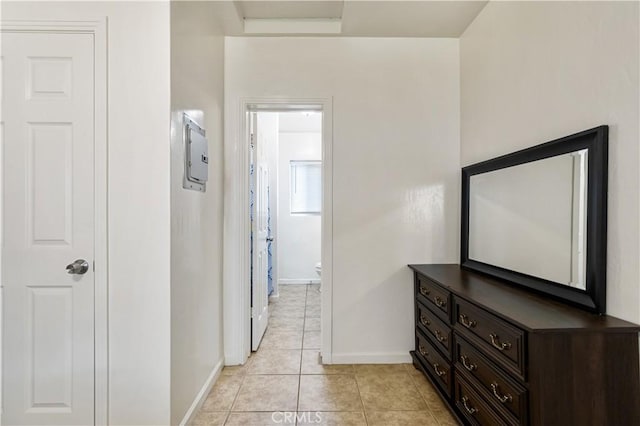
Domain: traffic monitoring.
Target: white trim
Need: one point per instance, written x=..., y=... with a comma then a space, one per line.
x=98, y=28
x=101, y=252
x=201, y=397
x=236, y=285
x=371, y=358
x=90, y=26
x=326, y=301
x=298, y=281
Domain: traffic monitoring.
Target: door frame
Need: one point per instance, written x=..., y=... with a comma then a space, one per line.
x=237, y=282
x=98, y=29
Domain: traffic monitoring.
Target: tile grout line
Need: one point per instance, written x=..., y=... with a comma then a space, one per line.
x=304, y=319
x=364, y=412
x=226, y=417
x=421, y=395
x=235, y=398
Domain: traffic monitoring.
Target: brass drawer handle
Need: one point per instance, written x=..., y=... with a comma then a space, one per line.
x=424, y=291
x=470, y=410
x=436, y=368
x=425, y=321
x=467, y=364
x=423, y=351
x=495, y=341
x=438, y=301
x=501, y=398
x=441, y=338
x=464, y=320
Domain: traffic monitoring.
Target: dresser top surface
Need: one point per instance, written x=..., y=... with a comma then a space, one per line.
x=530, y=311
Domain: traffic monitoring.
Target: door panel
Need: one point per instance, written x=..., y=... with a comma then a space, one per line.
x=48, y=222
x=260, y=296
x=49, y=189
x=50, y=333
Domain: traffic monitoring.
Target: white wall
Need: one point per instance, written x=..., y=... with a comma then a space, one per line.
x=299, y=235
x=196, y=218
x=139, y=231
x=536, y=71
x=396, y=166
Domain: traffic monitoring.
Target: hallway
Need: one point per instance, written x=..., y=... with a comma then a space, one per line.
x=285, y=377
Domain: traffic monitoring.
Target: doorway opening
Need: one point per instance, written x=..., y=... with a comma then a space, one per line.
x=285, y=191
x=238, y=307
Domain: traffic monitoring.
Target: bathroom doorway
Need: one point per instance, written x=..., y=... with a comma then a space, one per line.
x=286, y=206
x=241, y=306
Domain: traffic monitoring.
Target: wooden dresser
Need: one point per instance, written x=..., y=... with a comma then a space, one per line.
x=499, y=355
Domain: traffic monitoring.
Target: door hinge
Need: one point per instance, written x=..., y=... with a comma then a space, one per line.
x=251, y=141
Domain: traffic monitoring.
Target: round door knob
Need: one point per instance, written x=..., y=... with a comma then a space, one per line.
x=79, y=267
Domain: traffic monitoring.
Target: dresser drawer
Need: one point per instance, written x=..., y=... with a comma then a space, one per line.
x=433, y=327
x=435, y=296
x=499, y=390
x=472, y=406
x=504, y=343
x=438, y=366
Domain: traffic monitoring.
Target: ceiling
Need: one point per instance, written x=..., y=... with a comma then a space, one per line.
x=300, y=122
x=358, y=18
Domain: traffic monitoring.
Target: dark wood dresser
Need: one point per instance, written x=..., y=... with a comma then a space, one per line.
x=499, y=355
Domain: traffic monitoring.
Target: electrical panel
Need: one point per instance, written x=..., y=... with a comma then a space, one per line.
x=196, y=156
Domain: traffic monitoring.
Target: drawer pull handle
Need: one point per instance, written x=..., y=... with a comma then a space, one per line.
x=439, y=302
x=441, y=337
x=425, y=321
x=495, y=341
x=469, y=366
x=424, y=291
x=464, y=320
x=470, y=410
x=436, y=368
x=423, y=351
x=501, y=398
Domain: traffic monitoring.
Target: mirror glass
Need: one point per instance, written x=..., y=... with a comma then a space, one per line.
x=531, y=218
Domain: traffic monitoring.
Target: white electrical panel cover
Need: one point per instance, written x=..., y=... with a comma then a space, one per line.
x=196, y=156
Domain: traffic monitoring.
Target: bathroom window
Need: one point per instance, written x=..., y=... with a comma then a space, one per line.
x=306, y=187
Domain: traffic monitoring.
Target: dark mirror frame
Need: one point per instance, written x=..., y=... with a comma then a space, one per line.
x=595, y=140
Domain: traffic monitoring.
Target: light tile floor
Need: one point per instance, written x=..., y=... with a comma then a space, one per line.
x=285, y=384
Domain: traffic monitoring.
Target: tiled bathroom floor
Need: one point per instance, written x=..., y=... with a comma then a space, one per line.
x=284, y=380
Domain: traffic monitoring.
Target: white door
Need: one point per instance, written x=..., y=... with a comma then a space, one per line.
x=48, y=223
x=259, y=291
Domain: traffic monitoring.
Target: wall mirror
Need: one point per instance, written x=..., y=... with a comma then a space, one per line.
x=537, y=218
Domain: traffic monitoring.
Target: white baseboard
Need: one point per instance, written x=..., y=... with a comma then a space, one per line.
x=202, y=395
x=286, y=281
x=371, y=358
